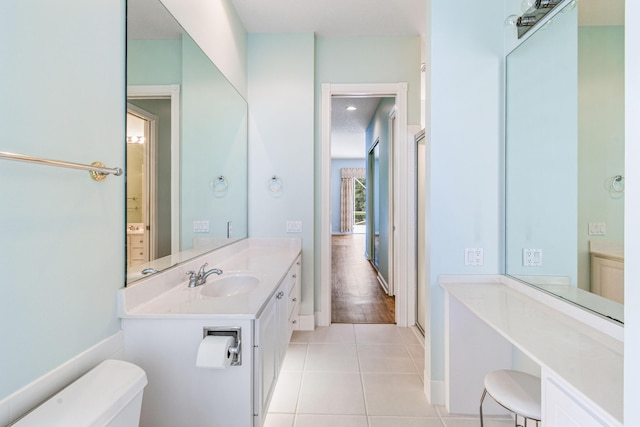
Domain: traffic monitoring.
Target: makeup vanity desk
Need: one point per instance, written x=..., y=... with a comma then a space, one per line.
x=580, y=354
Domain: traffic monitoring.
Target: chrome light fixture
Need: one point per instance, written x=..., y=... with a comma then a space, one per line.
x=534, y=14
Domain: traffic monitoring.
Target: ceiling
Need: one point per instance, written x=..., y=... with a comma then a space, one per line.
x=334, y=17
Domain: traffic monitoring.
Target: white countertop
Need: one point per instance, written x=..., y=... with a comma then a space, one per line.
x=588, y=359
x=166, y=295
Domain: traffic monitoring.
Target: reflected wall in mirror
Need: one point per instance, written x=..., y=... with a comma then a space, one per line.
x=565, y=157
x=186, y=128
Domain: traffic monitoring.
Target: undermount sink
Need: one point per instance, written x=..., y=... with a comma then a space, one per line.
x=229, y=285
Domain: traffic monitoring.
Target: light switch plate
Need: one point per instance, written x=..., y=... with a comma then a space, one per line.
x=294, y=226
x=597, y=228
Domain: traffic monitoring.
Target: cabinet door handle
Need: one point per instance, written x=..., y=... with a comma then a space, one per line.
x=280, y=294
x=294, y=321
x=294, y=299
x=298, y=263
x=294, y=275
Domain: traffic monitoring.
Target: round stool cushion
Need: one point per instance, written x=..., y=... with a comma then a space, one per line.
x=517, y=391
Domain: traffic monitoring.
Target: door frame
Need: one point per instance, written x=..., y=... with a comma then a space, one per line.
x=172, y=92
x=149, y=195
x=404, y=201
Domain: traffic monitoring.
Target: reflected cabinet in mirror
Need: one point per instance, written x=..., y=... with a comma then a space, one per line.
x=186, y=146
x=565, y=157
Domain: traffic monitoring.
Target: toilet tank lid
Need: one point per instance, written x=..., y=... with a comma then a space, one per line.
x=92, y=400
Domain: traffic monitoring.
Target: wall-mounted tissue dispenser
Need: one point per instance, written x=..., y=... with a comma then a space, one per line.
x=234, y=347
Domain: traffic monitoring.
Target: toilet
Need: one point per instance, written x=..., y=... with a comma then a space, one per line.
x=109, y=395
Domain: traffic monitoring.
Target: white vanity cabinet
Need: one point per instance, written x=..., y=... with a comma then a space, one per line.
x=607, y=269
x=580, y=355
x=563, y=408
x=295, y=295
x=136, y=249
x=273, y=329
x=165, y=325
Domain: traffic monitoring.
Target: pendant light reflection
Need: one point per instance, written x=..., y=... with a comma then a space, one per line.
x=275, y=185
x=219, y=186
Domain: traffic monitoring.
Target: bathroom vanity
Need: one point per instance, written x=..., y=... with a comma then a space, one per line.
x=578, y=354
x=607, y=269
x=164, y=323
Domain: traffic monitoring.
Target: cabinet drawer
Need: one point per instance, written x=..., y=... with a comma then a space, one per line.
x=137, y=242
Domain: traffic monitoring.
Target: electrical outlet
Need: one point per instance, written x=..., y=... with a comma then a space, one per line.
x=597, y=228
x=474, y=256
x=294, y=226
x=532, y=257
x=201, y=226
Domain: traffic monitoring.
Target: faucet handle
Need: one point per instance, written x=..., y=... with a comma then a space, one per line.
x=191, y=274
x=201, y=272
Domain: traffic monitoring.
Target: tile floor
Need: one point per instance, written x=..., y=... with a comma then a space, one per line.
x=358, y=376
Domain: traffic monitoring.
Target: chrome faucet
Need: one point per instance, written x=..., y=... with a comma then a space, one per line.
x=200, y=278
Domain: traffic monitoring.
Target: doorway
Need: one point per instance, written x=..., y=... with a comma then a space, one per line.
x=141, y=174
x=400, y=196
x=361, y=255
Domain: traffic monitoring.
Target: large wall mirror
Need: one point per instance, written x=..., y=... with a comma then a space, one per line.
x=565, y=156
x=186, y=146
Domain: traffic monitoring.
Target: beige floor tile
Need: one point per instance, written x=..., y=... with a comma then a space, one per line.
x=475, y=422
x=279, y=420
x=404, y=422
x=301, y=336
x=396, y=394
x=378, y=334
x=336, y=333
x=409, y=336
x=385, y=358
x=295, y=358
x=332, y=357
x=285, y=396
x=331, y=421
x=331, y=393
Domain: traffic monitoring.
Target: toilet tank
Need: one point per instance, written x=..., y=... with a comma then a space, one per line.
x=108, y=395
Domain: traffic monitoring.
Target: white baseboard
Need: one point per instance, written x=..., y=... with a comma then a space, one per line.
x=319, y=316
x=434, y=390
x=306, y=322
x=30, y=396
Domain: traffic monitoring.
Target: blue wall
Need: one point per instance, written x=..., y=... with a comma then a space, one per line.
x=62, y=260
x=378, y=130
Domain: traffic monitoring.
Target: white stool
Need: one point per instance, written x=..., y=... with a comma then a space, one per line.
x=516, y=391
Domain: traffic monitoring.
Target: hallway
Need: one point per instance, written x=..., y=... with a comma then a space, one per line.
x=356, y=294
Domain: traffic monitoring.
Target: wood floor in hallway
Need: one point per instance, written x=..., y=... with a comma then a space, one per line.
x=356, y=294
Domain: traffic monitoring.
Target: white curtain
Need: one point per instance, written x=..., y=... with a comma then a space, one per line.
x=346, y=197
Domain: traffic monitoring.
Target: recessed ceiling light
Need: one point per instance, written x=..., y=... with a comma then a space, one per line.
x=350, y=108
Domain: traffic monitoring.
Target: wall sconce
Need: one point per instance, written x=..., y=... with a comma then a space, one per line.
x=275, y=185
x=533, y=12
x=135, y=139
x=547, y=4
x=219, y=186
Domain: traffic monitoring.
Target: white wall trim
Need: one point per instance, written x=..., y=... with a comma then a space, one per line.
x=173, y=92
x=30, y=396
x=306, y=322
x=404, y=218
x=434, y=391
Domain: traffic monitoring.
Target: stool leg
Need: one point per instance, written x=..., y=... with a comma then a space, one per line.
x=484, y=393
